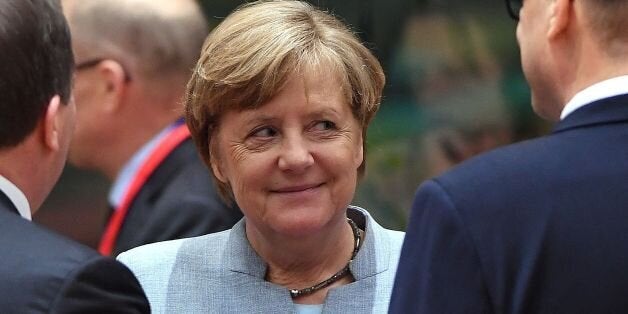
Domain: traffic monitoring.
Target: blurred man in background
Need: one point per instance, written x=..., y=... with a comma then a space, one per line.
x=540, y=226
x=134, y=58
x=42, y=272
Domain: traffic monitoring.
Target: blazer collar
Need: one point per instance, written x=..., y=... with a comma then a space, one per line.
x=604, y=111
x=6, y=204
x=16, y=197
x=372, y=259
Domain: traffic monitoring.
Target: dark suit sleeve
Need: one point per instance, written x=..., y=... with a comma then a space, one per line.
x=439, y=269
x=102, y=285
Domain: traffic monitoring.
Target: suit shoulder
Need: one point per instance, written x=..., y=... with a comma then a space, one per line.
x=146, y=259
x=47, y=271
x=99, y=285
x=159, y=265
x=47, y=247
x=505, y=163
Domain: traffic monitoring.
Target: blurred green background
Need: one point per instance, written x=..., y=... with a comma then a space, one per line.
x=454, y=89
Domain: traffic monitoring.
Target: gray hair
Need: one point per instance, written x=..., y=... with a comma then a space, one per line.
x=155, y=38
x=609, y=19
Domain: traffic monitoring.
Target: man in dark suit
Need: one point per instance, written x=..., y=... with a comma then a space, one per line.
x=42, y=272
x=134, y=59
x=539, y=226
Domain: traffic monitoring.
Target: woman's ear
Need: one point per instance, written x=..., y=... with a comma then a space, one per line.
x=216, y=165
x=360, y=150
x=218, y=172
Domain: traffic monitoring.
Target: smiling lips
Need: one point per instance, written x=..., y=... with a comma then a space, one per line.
x=297, y=188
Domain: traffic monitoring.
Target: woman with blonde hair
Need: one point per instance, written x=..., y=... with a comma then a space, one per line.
x=278, y=106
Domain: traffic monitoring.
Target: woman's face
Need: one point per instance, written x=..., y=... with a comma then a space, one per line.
x=292, y=163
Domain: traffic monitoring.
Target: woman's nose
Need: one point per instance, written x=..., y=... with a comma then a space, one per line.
x=295, y=154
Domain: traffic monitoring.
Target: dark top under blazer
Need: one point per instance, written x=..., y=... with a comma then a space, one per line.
x=535, y=227
x=179, y=200
x=41, y=272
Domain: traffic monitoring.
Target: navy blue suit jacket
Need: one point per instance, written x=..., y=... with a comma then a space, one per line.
x=178, y=200
x=535, y=227
x=41, y=272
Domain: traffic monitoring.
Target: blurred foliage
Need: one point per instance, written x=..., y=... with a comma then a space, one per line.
x=454, y=89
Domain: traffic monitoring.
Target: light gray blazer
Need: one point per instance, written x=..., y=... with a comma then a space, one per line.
x=221, y=273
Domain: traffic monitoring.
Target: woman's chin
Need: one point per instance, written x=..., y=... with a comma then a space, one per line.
x=300, y=226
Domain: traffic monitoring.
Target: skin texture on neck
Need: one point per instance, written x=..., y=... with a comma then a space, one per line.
x=140, y=120
x=297, y=263
x=562, y=54
x=20, y=173
x=117, y=118
x=120, y=107
x=35, y=164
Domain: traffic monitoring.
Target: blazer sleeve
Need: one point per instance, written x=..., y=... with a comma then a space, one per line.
x=439, y=269
x=102, y=285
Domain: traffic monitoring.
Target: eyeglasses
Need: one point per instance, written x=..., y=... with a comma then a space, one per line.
x=514, y=6
x=96, y=61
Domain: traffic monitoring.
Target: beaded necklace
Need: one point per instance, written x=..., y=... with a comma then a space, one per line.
x=294, y=293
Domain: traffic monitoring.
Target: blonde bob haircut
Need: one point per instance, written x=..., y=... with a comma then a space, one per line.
x=247, y=59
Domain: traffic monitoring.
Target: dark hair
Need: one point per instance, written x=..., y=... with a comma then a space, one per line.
x=36, y=63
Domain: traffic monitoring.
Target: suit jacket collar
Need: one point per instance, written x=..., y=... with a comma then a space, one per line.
x=604, y=111
x=6, y=204
x=16, y=197
x=240, y=257
x=122, y=182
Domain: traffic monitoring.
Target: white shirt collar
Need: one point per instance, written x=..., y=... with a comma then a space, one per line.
x=130, y=169
x=16, y=196
x=604, y=89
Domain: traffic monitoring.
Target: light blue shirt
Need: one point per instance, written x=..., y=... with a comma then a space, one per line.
x=309, y=308
x=130, y=169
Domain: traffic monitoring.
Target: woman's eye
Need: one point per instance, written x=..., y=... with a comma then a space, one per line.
x=264, y=132
x=324, y=125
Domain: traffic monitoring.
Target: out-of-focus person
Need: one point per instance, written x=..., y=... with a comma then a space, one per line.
x=41, y=271
x=539, y=226
x=278, y=106
x=134, y=58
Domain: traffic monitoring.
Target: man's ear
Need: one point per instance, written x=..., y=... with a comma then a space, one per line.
x=114, y=80
x=561, y=13
x=52, y=124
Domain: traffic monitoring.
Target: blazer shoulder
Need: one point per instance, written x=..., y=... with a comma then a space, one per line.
x=48, y=272
x=160, y=258
x=505, y=164
x=101, y=285
x=150, y=256
x=159, y=265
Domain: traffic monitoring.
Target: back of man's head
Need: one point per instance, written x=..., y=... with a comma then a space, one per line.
x=134, y=58
x=609, y=20
x=36, y=64
x=157, y=39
